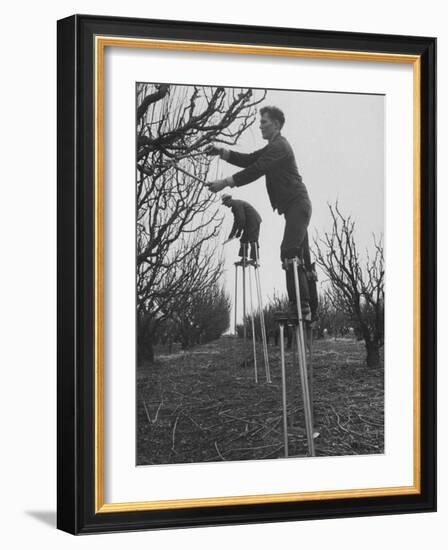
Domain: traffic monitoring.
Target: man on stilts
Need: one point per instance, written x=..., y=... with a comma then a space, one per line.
x=246, y=226
x=289, y=196
x=286, y=190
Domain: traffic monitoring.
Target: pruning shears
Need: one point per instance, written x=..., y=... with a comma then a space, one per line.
x=172, y=164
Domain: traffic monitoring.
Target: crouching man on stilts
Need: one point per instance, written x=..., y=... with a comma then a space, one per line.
x=246, y=226
x=287, y=193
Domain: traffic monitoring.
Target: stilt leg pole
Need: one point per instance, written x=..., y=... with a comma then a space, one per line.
x=311, y=370
x=244, y=299
x=262, y=323
x=302, y=364
x=236, y=295
x=253, y=328
x=285, y=417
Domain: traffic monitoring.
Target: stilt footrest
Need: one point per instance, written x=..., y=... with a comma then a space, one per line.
x=288, y=317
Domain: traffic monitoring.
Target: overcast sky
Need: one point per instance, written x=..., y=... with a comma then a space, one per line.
x=338, y=140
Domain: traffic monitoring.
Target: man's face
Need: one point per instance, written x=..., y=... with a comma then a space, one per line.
x=268, y=126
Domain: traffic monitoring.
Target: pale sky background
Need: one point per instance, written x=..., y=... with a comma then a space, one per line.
x=338, y=140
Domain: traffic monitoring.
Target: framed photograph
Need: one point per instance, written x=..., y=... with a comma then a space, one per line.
x=246, y=274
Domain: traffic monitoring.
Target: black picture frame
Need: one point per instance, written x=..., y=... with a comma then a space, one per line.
x=77, y=475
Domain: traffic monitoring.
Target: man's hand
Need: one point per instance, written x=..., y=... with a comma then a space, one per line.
x=217, y=185
x=212, y=150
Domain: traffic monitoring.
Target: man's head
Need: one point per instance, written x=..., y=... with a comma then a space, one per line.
x=226, y=200
x=271, y=122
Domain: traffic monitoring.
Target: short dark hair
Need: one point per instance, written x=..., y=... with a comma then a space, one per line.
x=274, y=113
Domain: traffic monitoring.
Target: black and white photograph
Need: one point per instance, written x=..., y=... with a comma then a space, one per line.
x=168, y=384
x=260, y=273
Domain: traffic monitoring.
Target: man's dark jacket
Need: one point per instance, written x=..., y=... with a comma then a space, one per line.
x=276, y=160
x=246, y=220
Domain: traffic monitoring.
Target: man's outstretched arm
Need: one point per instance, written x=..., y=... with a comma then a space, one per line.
x=266, y=159
x=242, y=160
x=239, y=214
x=234, y=232
x=269, y=156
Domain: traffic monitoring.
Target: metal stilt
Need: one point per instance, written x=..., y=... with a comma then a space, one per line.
x=243, y=263
x=311, y=370
x=253, y=328
x=299, y=351
x=262, y=323
x=285, y=415
x=236, y=295
x=244, y=295
x=302, y=363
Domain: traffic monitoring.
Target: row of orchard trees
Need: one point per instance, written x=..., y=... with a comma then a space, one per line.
x=178, y=221
x=204, y=317
x=352, y=296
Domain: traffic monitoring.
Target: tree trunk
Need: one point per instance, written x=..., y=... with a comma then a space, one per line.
x=373, y=354
x=145, y=341
x=145, y=350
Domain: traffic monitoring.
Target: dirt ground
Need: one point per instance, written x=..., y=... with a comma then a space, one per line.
x=204, y=405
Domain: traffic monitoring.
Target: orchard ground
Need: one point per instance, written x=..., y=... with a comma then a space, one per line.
x=203, y=405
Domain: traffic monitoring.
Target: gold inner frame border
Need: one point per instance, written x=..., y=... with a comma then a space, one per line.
x=101, y=42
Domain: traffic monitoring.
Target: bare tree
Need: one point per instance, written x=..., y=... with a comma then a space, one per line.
x=356, y=288
x=178, y=219
x=204, y=317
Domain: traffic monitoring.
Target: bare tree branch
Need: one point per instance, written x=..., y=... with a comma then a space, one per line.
x=178, y=220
